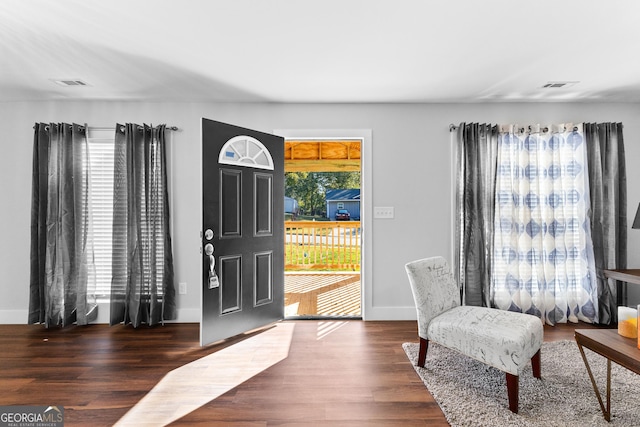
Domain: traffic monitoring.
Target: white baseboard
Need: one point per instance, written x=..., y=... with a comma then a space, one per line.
x=184, y=315
x=187, y=315
x=14, y=317
x=192, y=315
x=20, y=317
x=390, y=313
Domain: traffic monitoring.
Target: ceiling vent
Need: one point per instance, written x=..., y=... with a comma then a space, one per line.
x=559, y=84
x=70, y=82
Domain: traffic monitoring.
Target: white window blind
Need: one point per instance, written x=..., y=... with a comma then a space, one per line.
x=101, y=196
x=101, y=158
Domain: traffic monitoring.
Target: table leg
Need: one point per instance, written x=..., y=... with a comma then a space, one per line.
x=608, y=416
x=605, y=411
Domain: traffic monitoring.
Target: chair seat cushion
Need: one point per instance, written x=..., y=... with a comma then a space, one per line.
x=503, y=339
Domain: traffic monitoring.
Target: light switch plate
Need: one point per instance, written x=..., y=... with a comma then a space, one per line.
x=182, y=288
x=383, y=212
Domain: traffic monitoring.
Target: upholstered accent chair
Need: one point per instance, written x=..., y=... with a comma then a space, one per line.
x=502, y=339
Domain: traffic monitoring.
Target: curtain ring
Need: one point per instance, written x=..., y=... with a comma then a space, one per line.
x=545, y=130
x=46, y=128
x=575, y=128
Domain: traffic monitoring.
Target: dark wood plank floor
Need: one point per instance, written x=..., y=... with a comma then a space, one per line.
x=345, y=373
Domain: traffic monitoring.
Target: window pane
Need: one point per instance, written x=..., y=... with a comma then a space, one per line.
x=101, y=195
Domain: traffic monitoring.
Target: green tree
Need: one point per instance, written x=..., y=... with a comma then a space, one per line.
x=309, y=188
x=342, y=180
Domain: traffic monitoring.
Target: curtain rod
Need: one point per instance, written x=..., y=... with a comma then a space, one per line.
x=90, y=128
x=453, y=127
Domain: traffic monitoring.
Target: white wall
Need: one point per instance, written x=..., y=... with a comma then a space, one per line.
x=411, y=163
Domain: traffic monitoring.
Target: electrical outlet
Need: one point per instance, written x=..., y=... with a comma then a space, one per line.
x=384, y=212
x=182, y=288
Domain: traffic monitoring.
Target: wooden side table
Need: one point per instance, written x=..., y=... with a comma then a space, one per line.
x=614, y=347
x=623, y=275
x=628, y=275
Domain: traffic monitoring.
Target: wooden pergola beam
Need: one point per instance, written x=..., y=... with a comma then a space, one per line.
x=322, y=165
x=322, y=150
x=322, y=156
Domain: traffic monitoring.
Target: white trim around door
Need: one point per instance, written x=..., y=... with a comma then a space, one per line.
x=365, y=135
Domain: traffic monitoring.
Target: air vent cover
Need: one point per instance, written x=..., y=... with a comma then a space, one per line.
x=559, y=84
x=70, y=82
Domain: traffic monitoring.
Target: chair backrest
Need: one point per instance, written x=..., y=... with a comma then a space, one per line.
x=434, y=289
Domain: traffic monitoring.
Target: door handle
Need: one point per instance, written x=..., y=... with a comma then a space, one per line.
x=208, y=249
x=213, y=277
x=212, y=264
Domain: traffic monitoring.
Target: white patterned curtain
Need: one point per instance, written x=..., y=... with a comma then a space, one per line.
x=543, y=261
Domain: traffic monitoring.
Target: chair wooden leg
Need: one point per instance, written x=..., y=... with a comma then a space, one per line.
x=512, y=391
x=513, y=385
x=535, y=364
x=422, y=355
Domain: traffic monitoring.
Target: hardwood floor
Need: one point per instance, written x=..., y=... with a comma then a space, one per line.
x=320, y=373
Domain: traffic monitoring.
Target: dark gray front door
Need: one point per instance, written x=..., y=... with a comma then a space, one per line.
x=242, y=230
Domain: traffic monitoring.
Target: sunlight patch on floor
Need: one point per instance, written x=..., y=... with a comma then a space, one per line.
x=291, y=309
x=193, y=385
x=325, y=328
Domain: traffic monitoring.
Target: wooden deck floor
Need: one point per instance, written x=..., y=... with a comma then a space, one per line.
x=322, y=294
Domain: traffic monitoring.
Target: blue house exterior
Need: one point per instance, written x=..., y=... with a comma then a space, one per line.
x=291, y=208
x=343, y=199
x=290, y=205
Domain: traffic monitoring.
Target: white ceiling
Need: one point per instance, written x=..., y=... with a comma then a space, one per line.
x=320, y=50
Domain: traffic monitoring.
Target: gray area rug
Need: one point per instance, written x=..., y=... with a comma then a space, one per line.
x=473, y=394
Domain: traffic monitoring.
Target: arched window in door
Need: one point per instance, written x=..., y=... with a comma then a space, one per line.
x=246, y=151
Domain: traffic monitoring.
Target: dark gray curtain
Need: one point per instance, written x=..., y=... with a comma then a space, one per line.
x=608, y=192
x=142, y=288
x=476, y=146
x=61, y=250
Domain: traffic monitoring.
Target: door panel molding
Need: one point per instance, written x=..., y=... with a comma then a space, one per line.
x=230, y=284
x=230, y=212
x=263, y=202
x=263, y=277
